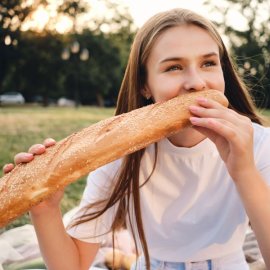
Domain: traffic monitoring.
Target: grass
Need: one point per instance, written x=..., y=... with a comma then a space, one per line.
x=21, y=127
x=266, y=113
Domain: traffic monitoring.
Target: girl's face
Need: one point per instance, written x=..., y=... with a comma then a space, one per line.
x=184, y=58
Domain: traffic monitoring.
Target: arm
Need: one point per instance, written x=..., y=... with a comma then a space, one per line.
x=255, y=195
x=59, y=250
x=232, y=134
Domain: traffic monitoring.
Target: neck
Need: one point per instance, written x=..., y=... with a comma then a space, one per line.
x=186, y=138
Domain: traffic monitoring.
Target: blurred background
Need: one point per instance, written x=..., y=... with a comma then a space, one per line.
x=74, y=52
x=62, y=62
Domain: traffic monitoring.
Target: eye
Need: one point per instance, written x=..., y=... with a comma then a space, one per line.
x=173, y=68
x=209, y=64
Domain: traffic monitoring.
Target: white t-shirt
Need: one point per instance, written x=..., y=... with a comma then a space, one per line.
x=191, y=210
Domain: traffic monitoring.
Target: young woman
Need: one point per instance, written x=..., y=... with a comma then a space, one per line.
x=187, y=199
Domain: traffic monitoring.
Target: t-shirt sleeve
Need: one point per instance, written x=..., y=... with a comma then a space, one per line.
x=98, y=187
x=262, y=152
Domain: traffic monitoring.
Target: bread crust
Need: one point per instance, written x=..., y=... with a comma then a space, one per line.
x=84, y=151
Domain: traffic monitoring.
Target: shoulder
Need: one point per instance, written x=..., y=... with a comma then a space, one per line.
x=110, y=169
x=100, y=180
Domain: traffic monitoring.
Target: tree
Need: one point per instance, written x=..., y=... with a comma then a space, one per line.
x=97, y=77
x=12, y=14
x=120, y=34
x=38, y=68
x=35, y=66
x=250, y=45
x=108, y=41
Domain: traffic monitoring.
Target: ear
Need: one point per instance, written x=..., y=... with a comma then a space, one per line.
x=146, y=92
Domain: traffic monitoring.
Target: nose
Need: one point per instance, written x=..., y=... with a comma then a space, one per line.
x=194, y=81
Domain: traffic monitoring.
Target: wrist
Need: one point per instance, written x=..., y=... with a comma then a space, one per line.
x=42, y=211
x=250, y=184
x=243, y=175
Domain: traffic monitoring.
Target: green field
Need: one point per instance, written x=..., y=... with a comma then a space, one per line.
x=267, y=113
x=20, y=127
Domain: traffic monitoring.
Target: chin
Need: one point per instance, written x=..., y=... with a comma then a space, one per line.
x=187, y=137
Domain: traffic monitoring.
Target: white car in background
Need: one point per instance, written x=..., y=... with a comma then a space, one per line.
x=12, y=98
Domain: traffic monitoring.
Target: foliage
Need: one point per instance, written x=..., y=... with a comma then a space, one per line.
x=38, y=56
x=99, y=75
x=40, y=71
x=12, y=15
x=34, y=66
x=250, y=45
x=72, y=7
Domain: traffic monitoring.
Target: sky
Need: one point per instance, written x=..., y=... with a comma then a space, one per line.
x=141, y=10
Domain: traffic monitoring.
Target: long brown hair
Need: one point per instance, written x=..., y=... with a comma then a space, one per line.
x=127, y=183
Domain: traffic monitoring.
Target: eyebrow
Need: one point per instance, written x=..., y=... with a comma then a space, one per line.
x=182, y=58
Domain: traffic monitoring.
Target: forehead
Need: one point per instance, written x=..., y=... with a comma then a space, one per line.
x=184, y=41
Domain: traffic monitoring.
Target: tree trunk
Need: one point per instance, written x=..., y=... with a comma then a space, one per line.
x=100, y=100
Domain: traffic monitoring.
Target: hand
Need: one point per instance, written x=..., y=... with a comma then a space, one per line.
x=231, y=132
x=25, y=157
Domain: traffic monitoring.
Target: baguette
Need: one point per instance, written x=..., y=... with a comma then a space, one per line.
x=78, y=154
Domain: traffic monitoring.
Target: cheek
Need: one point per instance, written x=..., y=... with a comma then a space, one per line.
x=221, y=85
x=219, y=82
x=216, y=81
x=164, y=89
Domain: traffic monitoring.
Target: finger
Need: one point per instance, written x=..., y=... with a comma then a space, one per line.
x=207, y=133
x=219, y=126
x=212, y=104
x=208, y=103
x=8, y=168
x=37, y=149
x=49, y=142
x=23, y=158
x=213, y=112
x=219, y=113
x=204, y=112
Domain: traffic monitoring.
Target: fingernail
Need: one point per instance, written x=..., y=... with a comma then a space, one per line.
x=28, y=155
x=193, y=108
x=194, y=120
x=49, y=141
x=7, y=166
